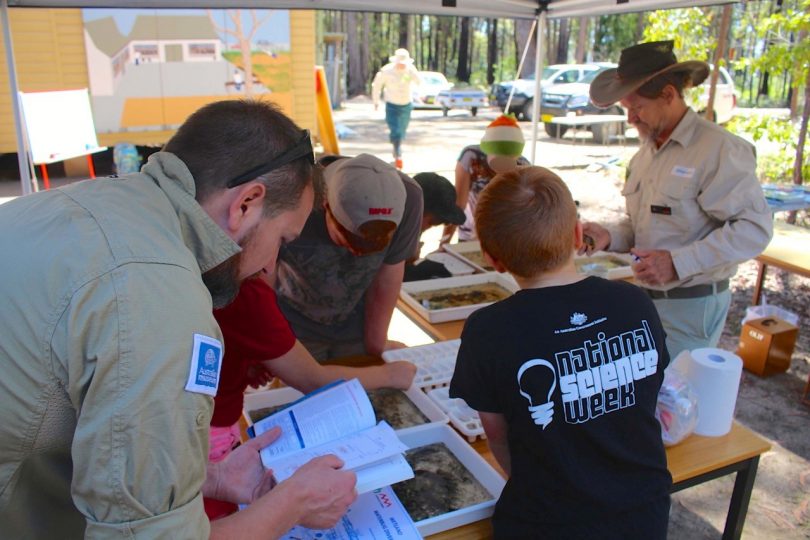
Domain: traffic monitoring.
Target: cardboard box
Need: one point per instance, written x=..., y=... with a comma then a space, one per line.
x=766, y=345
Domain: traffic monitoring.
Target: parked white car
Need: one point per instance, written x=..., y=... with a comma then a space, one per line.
x=522, y=100
x=433, y=82
x=725, y=98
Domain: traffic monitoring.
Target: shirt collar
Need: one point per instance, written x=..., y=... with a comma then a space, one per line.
x=206, y=240
x=685, y=130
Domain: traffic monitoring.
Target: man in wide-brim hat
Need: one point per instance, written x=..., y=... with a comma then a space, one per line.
x=695, y=208
x=395, y=81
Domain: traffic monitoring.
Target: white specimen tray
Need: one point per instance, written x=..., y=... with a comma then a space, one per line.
x=622, y=272
x=462, y=416
x=285, y=395
x=417, y=436
x=454, y=265
x=453, y=313
x=434, y=362
x=461, y=251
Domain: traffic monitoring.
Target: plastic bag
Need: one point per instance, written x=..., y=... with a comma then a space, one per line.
x=769, y=310
x=677, y=408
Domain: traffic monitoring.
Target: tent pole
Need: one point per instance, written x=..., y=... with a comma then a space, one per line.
x=25, y=172
x=540, y=35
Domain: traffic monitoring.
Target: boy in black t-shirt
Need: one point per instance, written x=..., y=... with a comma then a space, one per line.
x=565, y=375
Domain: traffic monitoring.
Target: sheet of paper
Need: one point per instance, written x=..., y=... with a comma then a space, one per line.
x=373, y=516
x=356, y=450
x=318, y=418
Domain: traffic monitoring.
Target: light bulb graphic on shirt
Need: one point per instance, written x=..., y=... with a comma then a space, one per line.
x=537, y=381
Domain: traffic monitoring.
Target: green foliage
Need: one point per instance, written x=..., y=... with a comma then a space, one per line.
x=614, y=33
x=692, y=29
x=785, y=53
x=777, y=137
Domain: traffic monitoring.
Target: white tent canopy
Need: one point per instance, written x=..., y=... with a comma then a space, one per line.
x=520, y=9
x=507, y=9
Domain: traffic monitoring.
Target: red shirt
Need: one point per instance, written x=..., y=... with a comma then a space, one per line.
x=255, y=330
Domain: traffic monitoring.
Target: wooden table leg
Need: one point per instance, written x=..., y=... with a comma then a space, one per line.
x=760, y=279
x=740, y=497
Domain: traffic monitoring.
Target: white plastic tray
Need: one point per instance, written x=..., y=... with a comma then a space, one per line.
x=622, y=272
x=282, y=396
x=453, y=313
x=493, y=482
x=463, y=418
x=461, y=249
x=434, y=362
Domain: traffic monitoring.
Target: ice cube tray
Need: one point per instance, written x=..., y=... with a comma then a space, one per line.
x=434, y=362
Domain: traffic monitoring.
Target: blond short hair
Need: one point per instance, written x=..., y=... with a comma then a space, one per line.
x=526, y=219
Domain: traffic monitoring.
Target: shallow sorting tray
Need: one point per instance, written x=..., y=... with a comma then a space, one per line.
x=451, y=313
x=470, y=253
x=434, y=362
x=453, y=264
x=417, y=436
x=462, y=416
x=594, y=264
x=286, y=395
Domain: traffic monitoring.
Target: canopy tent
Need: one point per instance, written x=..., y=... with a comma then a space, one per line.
x=514, y=9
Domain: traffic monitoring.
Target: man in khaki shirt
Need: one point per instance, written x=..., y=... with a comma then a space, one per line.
x=694, y=206
x=110, y=353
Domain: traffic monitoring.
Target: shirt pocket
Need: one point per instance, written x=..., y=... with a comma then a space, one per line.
x=677, y=200
x=632, y=194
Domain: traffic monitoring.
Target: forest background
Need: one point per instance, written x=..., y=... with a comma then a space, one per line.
x=763, y=43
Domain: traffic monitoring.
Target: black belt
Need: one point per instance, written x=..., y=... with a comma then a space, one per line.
x=698, y=291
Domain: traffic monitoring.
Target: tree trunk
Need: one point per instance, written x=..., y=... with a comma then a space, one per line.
x=522, y=29
x=356, y=80
x=799, y=162
x=764, y=87
x=719, y=55
x=492, y=49
x=641, y=22
x=582, y=40
x=403, y=31
x=464, y=52
x=562, y=43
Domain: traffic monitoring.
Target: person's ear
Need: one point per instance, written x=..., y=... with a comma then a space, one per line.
x=578, y=236
x=668, y=93
x=247, y=207
x=495, y=263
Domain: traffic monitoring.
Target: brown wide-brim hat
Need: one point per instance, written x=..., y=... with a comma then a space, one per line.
x=639, y=64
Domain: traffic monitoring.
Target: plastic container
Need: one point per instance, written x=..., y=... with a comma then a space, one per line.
x=492, y=481
x=456, y=313
x=677, y=408
x=434, y=362
x=464, y=418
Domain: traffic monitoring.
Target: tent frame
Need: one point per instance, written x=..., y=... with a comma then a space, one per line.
x=518, y=9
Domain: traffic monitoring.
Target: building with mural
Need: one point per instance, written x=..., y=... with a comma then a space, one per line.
x=147, y=70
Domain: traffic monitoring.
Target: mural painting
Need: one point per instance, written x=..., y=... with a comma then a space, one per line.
x=150, y=69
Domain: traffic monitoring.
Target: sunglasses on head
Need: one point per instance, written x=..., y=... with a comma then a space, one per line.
x=301, y=149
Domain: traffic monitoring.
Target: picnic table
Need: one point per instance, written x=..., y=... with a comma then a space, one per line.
x=789, y=250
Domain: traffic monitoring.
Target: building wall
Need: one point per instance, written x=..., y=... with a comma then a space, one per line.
x=49, y=51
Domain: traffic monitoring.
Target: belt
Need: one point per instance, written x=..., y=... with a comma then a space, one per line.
x=698, y=291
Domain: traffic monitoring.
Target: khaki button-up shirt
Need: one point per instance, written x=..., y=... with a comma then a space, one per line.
x=102, y=296
x=698, y=197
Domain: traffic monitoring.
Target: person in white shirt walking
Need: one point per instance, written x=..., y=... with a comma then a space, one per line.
x=395, y=79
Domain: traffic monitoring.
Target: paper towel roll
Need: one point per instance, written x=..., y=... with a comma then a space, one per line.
x=715, y=378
